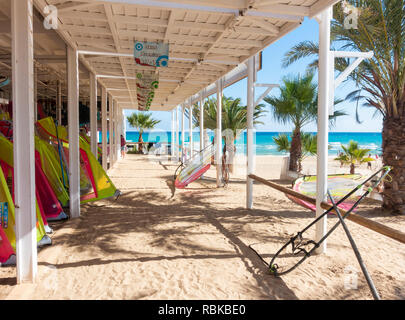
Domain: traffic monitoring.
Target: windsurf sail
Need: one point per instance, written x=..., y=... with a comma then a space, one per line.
x=338, y=184
x=195, y=167
x=7, y=166
x=7, y=253
x=94, y=182
x=50, y=165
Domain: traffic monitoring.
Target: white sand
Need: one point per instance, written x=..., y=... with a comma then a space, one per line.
x=159, y=243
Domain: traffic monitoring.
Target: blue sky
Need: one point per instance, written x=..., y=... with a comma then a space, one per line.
x=272, y=72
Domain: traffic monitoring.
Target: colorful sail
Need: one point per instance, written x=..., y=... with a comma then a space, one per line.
x=338, y=184
x=94, y=182
x=195, y=168
x=6, y=163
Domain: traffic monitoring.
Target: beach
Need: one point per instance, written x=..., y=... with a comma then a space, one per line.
x=156, y=242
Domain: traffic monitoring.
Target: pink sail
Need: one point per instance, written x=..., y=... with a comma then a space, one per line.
x=47, y=200
x=6, y=250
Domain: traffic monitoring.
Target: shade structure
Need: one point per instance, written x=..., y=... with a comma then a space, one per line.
x=208, y=39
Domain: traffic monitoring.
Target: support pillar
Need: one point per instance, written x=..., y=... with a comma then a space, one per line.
x=117, y=133
x=93, y=114
x=23, y=136
x=250, y=131
x=323, y=120
x=190, y=123
x=59, y=102
x=73, y=131
x=172, y=138
x=183, y=154
x=110, y=128
x=177, y=134
x=104, y=127
x=218, y=133
x=201, y=122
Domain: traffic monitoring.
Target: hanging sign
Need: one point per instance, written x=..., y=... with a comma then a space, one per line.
x=146, y=84
x=152, y=54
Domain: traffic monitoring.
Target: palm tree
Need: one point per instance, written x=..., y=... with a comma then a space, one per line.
x=353, y=155
x=381, y=28
x=297, y=104
x=308, y=143
x=234, y=120
x=142, y=121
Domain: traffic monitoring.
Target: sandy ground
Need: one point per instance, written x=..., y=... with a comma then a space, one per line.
x=159, y=243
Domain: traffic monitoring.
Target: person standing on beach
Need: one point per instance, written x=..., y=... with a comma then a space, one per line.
x=369, y=162
x=123, y=146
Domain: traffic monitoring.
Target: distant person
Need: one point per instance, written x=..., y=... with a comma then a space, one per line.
x=123, y=146
x=369, y=162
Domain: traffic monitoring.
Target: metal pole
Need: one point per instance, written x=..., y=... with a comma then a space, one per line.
x=73, y=128
x=250, y=132
x=93, y=114
x=23, y=137
x=104, y=127
x=323, y=118
x=218, y=133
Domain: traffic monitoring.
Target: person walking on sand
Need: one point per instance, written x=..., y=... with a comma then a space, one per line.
x=123, y=146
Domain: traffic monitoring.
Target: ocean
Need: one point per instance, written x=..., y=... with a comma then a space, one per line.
x=264, y=140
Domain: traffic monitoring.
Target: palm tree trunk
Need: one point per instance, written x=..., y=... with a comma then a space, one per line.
x=295, y=150
x=140, y=144
x=393, y=136
x=352, y=168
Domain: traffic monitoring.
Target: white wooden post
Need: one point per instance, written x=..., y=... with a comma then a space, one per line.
x=183, y=154
x=176, y=145
x=93, y=114
x=104, y=127
x=123, y=121
x=190, y=124
x=35, y=94
x=73, y=131
x=117, y=133
x=59, y=102
x=110, y=128
x=23, y=136
x=172, y=135
x=114, y=132
x=201, y=121
x=218, y=133
x=323, y=111
x=250, y=131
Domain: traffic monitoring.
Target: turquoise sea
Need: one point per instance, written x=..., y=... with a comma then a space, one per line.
x=264, y=140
